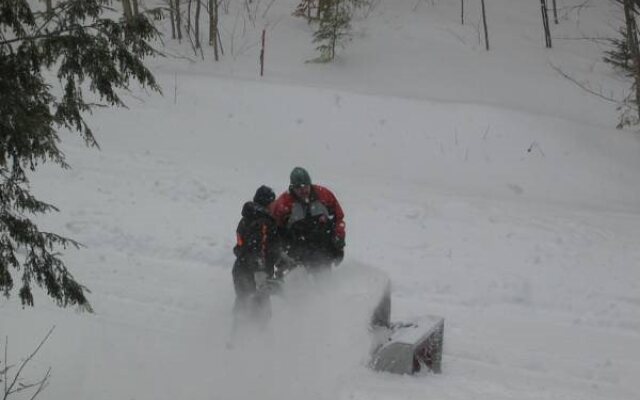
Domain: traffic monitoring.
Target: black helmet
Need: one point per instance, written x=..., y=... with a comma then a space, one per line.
x=299, y=177
x=264, y=196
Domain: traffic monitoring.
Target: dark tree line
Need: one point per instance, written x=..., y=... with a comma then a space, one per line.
x=188, y=18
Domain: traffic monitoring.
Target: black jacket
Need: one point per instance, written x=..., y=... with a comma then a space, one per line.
x=257, y=246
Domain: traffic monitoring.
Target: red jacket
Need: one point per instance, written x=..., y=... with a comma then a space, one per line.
x=281, y=208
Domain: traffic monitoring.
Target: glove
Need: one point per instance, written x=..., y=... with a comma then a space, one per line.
x=338, y=243
x=338, y=246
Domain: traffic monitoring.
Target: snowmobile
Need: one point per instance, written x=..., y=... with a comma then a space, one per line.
x=397, y=347
x=404, y=347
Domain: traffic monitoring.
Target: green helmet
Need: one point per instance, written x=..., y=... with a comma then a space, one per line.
x=299, y=177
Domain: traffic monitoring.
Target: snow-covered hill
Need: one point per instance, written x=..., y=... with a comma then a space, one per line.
x=490, y=189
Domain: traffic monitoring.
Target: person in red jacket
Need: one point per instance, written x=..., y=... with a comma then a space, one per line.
x=311, y=222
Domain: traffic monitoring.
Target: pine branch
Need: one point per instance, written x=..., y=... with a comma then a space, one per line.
x=51, y=15
x=81, y=48
x=54, y=34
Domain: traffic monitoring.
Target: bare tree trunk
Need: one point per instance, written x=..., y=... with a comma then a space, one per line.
x=632, y=44
x=334, y=39
x=545, y=23
x=214, y=35
x=462, y=11
x=173, y=21
x=322, y=5
x=262, y=54
x=555, y=12
x=484, y=22
x=220, y=43
x=136, y=9
x=126, y=6
x=49, y=4
x=178, y=19
x=197, y=23
x=189, y=17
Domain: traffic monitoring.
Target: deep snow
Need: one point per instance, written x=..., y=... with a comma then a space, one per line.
x=492, y=192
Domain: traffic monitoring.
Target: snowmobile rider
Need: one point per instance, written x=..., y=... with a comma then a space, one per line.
x=256, y=248
x=310, y=222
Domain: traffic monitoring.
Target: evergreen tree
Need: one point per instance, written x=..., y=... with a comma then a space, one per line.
x=625, y=56
x=334, y=23
x=304, y=9
x=619, y=56
x=334, y=29
x=79, y=43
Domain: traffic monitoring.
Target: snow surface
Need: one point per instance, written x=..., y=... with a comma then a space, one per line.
x=491, y=190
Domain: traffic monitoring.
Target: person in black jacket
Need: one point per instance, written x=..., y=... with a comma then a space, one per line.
x=256, y=252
